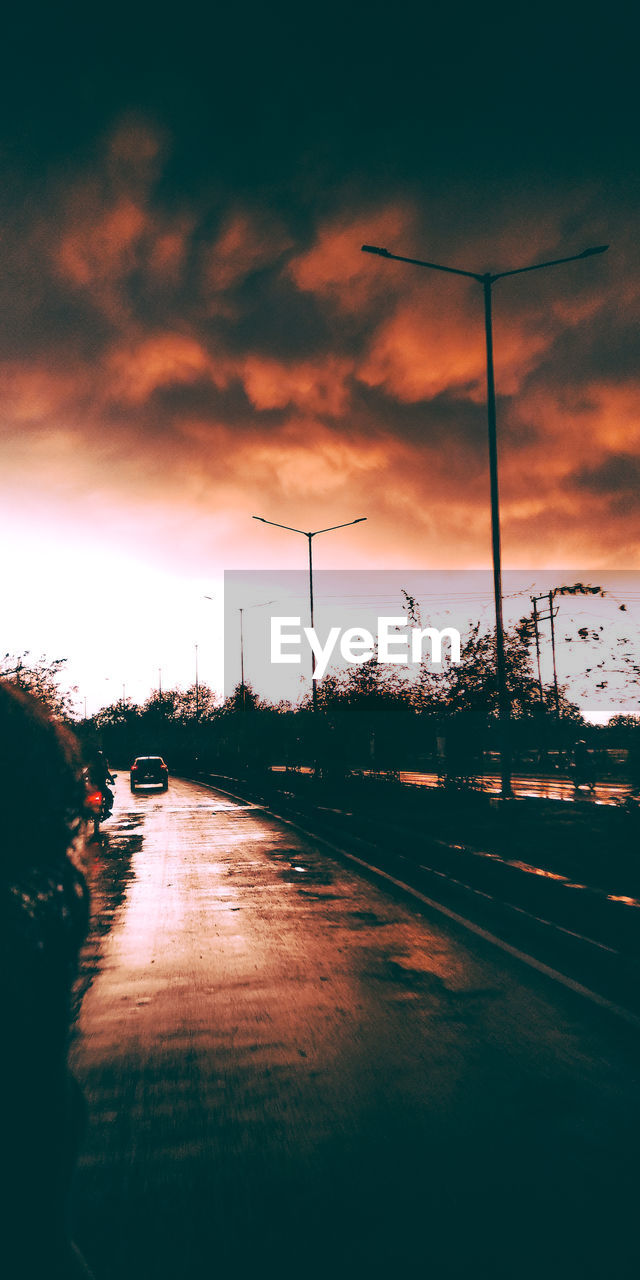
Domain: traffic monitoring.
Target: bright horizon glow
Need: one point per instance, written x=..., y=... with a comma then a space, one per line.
x=118, y=617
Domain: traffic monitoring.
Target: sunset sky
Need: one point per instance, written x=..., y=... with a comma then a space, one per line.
x=190, y=335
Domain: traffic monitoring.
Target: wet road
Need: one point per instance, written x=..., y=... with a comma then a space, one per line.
x=290, y=1072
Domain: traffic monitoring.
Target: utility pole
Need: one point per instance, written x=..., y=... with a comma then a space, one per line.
x=534, y=600
x=549, y=596
x=553, y=651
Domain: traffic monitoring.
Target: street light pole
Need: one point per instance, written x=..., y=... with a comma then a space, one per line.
x=487, y=280
x=504, y=709
x=197, y=687
x=242, y=688
x=314, y=691
x=310, y=536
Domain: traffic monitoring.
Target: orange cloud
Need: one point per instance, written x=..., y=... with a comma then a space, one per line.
x=101, y=244
x=435, y=343
x=309, y=462
x=335, y=269
x=313, y=386
x=168, y=367
x=160, y=360
x=35, y=396
x=168, y=251
x=108, y=227
x=247, y=242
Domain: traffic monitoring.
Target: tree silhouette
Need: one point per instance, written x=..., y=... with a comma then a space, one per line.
x=41, y=678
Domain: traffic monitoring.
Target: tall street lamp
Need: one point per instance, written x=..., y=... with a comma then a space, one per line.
x=261, y=605
x=197, y=687
x=242, y=685
x=311, y=536
x=487, y=279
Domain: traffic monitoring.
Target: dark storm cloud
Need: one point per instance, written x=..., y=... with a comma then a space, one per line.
x=182, y=217
x=448, y=423
x=603, y=349
x=619, y=475
x=275, y=319
x=250, y=93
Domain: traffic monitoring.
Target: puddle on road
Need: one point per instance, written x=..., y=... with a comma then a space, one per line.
x=367, y=920
x=300, y=870
x=320, y=897
x=408, y=977
x=305, y=875
x=240, y=809
x=109, y=876
x=413, y=980
x=128, y=822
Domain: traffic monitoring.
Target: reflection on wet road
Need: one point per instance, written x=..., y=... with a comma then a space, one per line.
x=290, y=1072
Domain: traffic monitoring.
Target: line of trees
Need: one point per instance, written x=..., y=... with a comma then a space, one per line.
x=369, y=716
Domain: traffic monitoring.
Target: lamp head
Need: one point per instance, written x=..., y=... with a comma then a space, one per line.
x=372, y=248
x=588, y=253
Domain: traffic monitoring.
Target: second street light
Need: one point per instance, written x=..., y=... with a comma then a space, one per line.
x=242, y=610
x=487, y=279
x=310, y=536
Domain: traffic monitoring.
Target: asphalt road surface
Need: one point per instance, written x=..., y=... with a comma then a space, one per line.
x=291, y=1072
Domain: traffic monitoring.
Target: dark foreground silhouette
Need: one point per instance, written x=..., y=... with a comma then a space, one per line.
x=43, y=920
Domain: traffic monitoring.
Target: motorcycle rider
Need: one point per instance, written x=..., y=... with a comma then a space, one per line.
x=99, y=775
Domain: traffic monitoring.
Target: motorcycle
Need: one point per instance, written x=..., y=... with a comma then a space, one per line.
x=98, y=804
